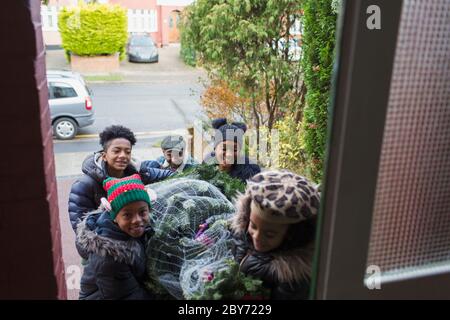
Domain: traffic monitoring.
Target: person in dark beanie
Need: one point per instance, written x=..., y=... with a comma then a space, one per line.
x=274, y=230
x=113, y=243
x=114, y=160
x=228, y=147
x=174, y=157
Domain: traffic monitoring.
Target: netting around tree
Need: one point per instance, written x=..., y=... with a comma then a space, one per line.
x=189, y=218
x=210, y=254
x=228, y=185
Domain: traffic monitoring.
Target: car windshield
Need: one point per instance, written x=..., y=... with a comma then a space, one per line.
x=142, y=42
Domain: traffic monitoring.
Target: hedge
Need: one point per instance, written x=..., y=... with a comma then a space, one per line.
x=188, y=54
x=317, y=63
x=94, y=29
x=187, y=51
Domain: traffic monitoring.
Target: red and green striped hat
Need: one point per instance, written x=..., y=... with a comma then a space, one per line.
x=124, y=191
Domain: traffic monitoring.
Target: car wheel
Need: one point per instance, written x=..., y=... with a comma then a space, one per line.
x=65, y=128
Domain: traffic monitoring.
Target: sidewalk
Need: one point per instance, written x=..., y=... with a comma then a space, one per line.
x=72, y=260
x=170, y=68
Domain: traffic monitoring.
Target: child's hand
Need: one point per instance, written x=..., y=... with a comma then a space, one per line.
x=152, y=194
x=105, y=205
x=202, y=228
x=207, y=241
x=207, y=276
x=202, y=237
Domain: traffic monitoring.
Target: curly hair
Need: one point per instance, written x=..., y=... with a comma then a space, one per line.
x=115, y=132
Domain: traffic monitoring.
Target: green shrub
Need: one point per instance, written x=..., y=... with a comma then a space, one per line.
x=94, y=29
x=317, y=62
x=335, y=6
x=188, y=55
x=292, y=146
x=187, y=51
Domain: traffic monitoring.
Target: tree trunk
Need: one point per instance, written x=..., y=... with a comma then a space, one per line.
x=257, y=124
x=301, y=106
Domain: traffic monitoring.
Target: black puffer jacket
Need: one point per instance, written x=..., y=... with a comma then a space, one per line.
x=116, y=261
x=286, y=271
x=87, y=191
x=244, y=170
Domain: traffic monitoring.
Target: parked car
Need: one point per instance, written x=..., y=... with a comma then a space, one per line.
x=142, y=48
x=66, y=73
x=70, y=103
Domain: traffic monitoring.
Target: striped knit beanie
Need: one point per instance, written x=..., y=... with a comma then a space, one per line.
x=124, y=191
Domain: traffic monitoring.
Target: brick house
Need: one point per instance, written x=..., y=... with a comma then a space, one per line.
x=158, y=17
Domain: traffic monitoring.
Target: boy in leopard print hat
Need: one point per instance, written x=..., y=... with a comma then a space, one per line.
x=274, y=229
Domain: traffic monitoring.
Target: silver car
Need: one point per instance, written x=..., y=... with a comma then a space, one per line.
x=70, y=103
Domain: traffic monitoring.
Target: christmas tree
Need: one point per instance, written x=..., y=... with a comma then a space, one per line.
x=231, y=284
x=228, y=185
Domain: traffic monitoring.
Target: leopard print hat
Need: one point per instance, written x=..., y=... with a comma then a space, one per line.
x=283, y=197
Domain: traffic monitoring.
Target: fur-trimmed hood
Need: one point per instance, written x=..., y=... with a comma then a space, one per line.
x=95, y=167
x=113, y=242
x=289, y=264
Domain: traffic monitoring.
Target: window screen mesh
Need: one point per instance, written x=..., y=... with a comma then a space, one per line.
x=411, y=222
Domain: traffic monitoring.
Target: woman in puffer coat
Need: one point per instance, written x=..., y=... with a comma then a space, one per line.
x=113, y=243
x=113, y=161
x=273, y=231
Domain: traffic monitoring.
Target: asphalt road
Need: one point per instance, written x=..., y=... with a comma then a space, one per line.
x=144, y=107
x=151, y=111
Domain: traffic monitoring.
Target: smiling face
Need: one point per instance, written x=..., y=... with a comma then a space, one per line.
x=133, y=218
x=226, y=153
x=174, y=157
x=265, y=236
x=117, y=155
